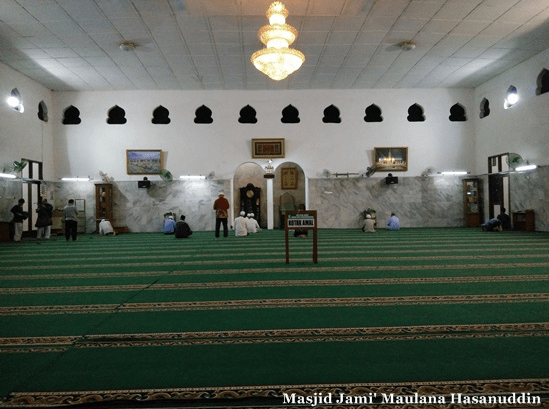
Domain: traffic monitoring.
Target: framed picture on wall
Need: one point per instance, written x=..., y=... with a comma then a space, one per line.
x=143, y=161
x=268, y=148
x=391, y=159
x=289, y=178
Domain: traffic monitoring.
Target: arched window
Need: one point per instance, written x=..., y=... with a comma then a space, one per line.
x=457, y=113
x=42, y=111
x=290, y=115
x=71, y=116
x=117, y=116
x=247, y=115
x=161, y=116
x=484, y=108
x=373, y=114
x=543, y=82
x=331, y=115
x=415, y=113
x=203, y=115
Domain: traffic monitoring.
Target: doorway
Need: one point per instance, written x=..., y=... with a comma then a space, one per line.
x=30, y=191
x=498, y=185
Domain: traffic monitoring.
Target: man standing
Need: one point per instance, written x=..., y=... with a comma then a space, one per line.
x=221, y=207
x=182, y=229
x=70, y=214
x=18, y=216
x=43, y=221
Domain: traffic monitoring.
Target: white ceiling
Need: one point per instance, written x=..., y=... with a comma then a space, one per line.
x=206, y=44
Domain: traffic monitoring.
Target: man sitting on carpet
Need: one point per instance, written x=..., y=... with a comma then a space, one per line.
x=240, y=229
x=504, y=219
x=251, y=224
x=369, y=225
x=169, y=225
x=393, y=223
x=182, y=229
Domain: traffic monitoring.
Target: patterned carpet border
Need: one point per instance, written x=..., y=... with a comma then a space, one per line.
x=276, y=303
x=469, y=394
x=46, y=344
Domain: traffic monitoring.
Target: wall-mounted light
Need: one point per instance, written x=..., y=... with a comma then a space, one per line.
x=525, y=167
x=7, y=176
x=511, y=98
x=15, y=101
x=76, y=179
x=454, y=173
x=191, y=177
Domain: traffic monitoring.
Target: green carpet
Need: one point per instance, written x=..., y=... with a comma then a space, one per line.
x=202, y=322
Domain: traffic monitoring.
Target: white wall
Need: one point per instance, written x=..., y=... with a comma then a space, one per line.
x=23, y=135
x=524, y=128
x=85, y=149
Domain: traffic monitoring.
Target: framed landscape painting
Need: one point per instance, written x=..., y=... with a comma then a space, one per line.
x=391, y=158
x=143, y=161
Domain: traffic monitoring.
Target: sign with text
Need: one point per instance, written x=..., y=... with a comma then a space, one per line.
x=301, y=220
x=298, y=220
x=268, y=148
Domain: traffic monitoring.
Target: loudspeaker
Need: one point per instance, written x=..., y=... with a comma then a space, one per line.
x=391, y=180
x=143, y=184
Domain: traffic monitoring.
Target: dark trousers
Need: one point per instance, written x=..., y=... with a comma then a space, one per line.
x=218, y=222
x=70, y=229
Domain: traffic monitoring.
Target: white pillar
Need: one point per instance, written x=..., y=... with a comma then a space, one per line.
x=230, y=220
x=307, y=194
x=270, y=205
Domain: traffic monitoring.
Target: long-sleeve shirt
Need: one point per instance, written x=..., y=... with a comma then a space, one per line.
x=240, y=228
x=71, y=213
x=394, y=223
x=169, y=226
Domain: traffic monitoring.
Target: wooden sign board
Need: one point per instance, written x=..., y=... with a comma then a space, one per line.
x=301, y=220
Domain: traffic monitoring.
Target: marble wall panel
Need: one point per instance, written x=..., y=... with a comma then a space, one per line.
x=530, y=190
x=340, y=202
x=142, y=210
x=10, y=193
x=417, y=201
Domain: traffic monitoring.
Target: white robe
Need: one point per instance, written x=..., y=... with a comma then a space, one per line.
x=240, y=229
x=252, y=226
x=105, y=227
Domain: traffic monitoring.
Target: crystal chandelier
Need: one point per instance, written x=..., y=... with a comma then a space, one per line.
x=277, y=61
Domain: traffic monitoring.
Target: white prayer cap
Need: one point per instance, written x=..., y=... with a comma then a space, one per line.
x=242, y=213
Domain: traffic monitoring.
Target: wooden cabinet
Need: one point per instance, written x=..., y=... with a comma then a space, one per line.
x=103, y=203
x=250, y=201
x=472, y=204
x=525, y=221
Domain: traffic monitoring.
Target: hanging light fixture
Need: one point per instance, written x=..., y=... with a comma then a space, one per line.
x=277, y=61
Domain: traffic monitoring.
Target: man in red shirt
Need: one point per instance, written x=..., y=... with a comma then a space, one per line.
x=221, y=207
